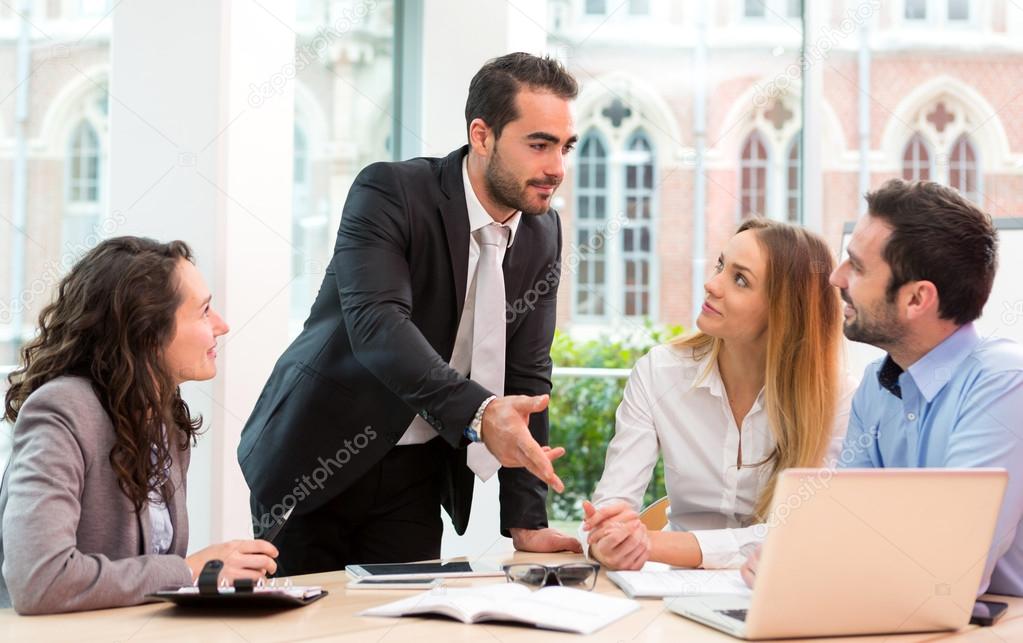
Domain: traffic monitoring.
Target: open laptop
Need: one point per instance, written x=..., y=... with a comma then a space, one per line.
x=864, y=551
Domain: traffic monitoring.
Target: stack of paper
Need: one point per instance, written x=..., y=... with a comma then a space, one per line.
x=680, y=582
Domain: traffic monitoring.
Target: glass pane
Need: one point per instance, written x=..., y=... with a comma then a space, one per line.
x=63, y=168
x=958, y=10
x=596, y=7
x=639, y=7
x=746, y=70
x=343, y=101
x=916, y=9
x=754, y=8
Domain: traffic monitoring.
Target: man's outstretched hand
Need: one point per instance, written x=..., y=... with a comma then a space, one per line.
x=505, y=432
x=545, y=541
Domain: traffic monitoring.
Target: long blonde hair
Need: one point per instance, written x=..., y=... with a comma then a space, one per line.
x=802, y=381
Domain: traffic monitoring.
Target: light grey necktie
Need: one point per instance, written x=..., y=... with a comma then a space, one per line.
x=488, y=332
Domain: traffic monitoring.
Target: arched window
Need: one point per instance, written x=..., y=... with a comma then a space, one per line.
x=637, y=235
x=591, y=227
x=793, y=187
x=753, y=177
x=916, y=160
x=82, y=180
x=962, y=168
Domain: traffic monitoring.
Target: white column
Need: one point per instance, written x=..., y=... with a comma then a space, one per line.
x=201, y=117
x=488, y=29
x=813, y=122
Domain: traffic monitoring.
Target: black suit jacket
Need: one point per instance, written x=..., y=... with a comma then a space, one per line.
x=374, y=351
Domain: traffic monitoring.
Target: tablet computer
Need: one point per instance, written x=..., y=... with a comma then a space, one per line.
x=408, y=571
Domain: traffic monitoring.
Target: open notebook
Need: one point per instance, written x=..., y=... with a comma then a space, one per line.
x=553, y=608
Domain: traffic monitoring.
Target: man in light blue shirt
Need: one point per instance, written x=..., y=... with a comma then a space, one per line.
x=919, y=271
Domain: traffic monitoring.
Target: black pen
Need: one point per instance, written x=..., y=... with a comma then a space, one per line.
x=276, y=529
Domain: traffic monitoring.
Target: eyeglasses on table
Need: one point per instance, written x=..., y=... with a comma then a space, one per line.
x=575, y=575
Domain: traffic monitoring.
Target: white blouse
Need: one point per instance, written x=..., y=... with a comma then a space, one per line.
x=667, y=409
x=159, y=514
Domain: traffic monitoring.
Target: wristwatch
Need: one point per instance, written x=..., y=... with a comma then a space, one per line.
x=473, y=431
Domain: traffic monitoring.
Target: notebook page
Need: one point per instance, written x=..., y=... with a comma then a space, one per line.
x=564, y=608
x=464, y=603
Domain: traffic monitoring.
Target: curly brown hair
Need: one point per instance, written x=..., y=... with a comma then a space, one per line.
x=112, y=318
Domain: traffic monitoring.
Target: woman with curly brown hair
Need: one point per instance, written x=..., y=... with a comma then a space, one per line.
x=93, y=499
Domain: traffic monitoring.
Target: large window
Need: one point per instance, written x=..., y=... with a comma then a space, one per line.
x=344, y=111
x=637, y=236
x=82, y=183
x=54, y=166
x=950, y=12
x=793, y=180
x=615, y=273
x=963, y=174
x=592, y=195
x=772, y=9
x=916, y=160
x=753, y=177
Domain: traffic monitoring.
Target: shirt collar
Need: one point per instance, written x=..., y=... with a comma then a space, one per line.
x=933, y=371
x=706, y=374
x=478, y=216
x=888, y=376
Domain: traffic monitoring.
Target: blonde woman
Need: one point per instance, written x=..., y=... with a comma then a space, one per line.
x=757, y=390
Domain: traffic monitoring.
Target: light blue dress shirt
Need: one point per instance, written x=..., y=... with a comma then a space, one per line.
x=961, y=406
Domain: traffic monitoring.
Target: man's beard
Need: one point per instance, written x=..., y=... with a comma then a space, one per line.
x=880, y=328
x=505, y=189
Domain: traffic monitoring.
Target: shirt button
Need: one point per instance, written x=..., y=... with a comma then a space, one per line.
x=911, y=416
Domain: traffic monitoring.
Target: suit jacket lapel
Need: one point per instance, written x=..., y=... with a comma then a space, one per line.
x=455, y=217
x=516, y=261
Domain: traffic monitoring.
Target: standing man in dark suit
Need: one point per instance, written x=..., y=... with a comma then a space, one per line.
x=425, y=359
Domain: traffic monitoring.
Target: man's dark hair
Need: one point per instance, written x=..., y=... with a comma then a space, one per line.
x=938, y=236
x=494, y=88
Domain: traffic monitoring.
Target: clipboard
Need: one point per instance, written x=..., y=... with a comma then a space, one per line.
x=244, y=594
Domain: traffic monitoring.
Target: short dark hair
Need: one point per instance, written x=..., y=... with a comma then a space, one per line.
x=493, y=89
x=940, y=236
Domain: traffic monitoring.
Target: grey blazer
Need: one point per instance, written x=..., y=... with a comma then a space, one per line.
x=69, y=538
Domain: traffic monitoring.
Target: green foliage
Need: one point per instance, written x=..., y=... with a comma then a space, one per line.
x=582, y=412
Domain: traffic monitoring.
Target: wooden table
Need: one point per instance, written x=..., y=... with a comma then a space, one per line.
x=333, y=618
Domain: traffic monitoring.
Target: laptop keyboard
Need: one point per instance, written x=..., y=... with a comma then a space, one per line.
x=739, y=615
